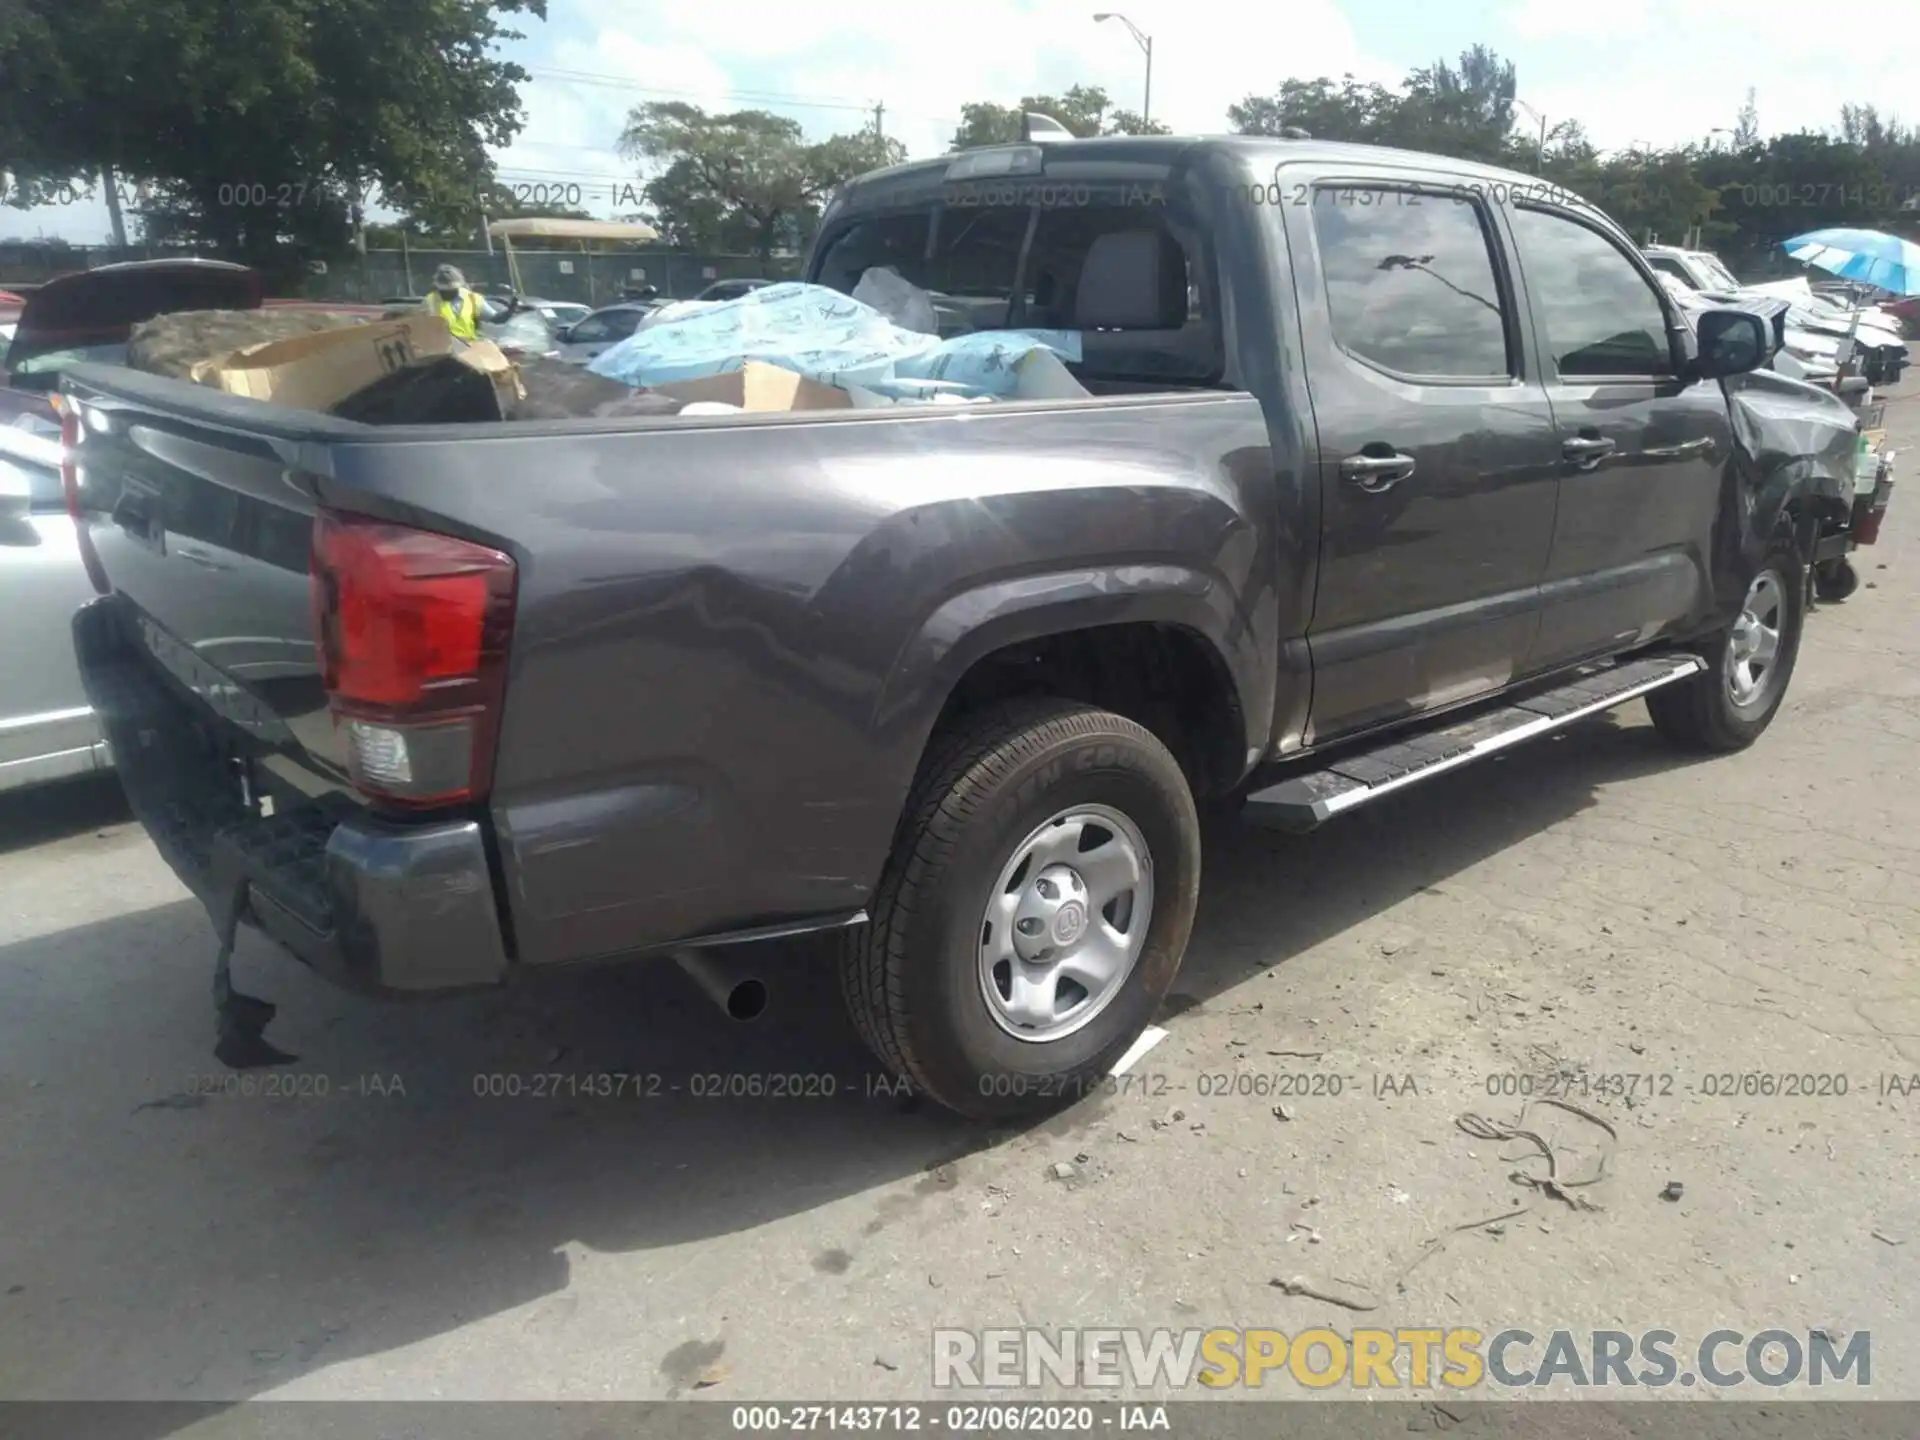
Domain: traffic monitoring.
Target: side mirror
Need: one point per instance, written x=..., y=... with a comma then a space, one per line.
x=1731, y=342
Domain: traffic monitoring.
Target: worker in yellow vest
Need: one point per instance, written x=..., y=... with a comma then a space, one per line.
x=454, y=303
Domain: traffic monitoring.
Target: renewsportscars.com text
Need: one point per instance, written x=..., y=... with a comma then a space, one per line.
x=1458, y=1358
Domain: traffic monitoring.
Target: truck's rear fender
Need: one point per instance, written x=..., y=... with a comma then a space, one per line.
x=732, y=644
x=1085, y=634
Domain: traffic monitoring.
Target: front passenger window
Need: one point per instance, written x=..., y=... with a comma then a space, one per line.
x=1602, y=318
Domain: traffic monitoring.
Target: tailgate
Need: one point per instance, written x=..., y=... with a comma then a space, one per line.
x=199, y=516
x=199, y=508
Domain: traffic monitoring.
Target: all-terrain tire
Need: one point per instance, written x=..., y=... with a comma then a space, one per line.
x=1834, y=580
x=1707, y=712
x=913, y=978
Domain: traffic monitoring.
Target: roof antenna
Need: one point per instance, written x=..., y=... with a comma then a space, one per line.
x=1035, y=127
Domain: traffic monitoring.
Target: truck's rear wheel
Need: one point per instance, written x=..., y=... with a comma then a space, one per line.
x=1034, y=911
x=1729, y=704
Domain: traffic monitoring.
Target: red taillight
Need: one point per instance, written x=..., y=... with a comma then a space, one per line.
x=412, y=631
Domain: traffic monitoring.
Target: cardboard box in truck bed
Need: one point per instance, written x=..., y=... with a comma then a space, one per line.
x=761, y=388
x=317, y=372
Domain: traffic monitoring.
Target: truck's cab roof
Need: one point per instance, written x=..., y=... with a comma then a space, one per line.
x=1119, y=158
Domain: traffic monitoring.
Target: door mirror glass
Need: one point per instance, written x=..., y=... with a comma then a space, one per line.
x=1731, y=342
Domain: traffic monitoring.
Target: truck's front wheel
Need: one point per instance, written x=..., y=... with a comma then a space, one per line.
x=1729, y=704
x=1034, y=911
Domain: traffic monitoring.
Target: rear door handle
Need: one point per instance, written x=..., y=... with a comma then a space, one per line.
x=1375, y=473
x=1586, y=449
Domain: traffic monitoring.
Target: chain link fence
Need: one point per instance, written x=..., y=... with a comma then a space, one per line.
x=584, y=277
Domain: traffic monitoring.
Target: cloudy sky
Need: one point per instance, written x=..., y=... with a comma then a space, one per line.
x=1629, y=70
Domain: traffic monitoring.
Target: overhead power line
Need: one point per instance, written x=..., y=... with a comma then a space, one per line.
x=767, y=97
x=748, y=96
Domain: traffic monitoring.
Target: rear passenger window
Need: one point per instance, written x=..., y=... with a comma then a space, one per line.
x=1410, y=282
x=1601, y=315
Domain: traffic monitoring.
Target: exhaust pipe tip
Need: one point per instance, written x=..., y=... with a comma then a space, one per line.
x=741, y=994
x=747, y=1000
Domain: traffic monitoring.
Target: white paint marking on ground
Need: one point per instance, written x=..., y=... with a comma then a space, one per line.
x=1149, y=1038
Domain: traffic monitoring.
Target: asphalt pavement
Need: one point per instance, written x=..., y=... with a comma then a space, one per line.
x=451, y=1199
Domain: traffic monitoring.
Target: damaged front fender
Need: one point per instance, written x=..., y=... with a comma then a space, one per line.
x=1792, y=467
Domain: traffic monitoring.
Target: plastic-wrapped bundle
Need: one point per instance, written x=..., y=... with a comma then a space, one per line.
x=173, y=344
x=1000, y=363
x=810, y=329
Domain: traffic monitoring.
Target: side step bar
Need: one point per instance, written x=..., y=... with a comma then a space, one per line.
x=1302, y=802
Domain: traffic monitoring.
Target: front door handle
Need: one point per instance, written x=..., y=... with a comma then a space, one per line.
x=1586, y=449
x=1375, y=473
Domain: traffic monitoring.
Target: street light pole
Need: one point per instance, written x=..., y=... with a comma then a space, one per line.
x=1145, y=42
x=1540, y=147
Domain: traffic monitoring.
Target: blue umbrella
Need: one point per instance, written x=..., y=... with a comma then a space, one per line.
x=1868, y=256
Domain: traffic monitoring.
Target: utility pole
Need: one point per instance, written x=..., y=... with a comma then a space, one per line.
x=110, y=184
x=879, y=116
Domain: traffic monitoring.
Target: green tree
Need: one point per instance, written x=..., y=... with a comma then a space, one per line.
x=1464, y=110
x=1085, y=110
x=1744, y=199
x=745, y=180
x=1799, y=182
x=1655, y=194
x=1326, y=109
x=262, y=125
x=1746, y=125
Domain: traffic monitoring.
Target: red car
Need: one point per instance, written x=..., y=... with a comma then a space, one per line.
x=1907, y=307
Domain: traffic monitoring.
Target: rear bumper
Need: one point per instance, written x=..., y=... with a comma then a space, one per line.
x=377, y=906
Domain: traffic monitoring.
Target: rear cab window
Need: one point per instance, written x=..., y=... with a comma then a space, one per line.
x=1116, y=265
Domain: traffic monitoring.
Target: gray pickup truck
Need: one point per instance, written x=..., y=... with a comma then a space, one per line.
x=1389, y=462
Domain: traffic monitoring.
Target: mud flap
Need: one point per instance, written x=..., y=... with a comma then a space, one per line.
x=240, y=1021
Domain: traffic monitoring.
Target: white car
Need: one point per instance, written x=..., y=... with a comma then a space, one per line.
x=587, y=337
x=1882, y=347
x=47, y=727
x=562, y=313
